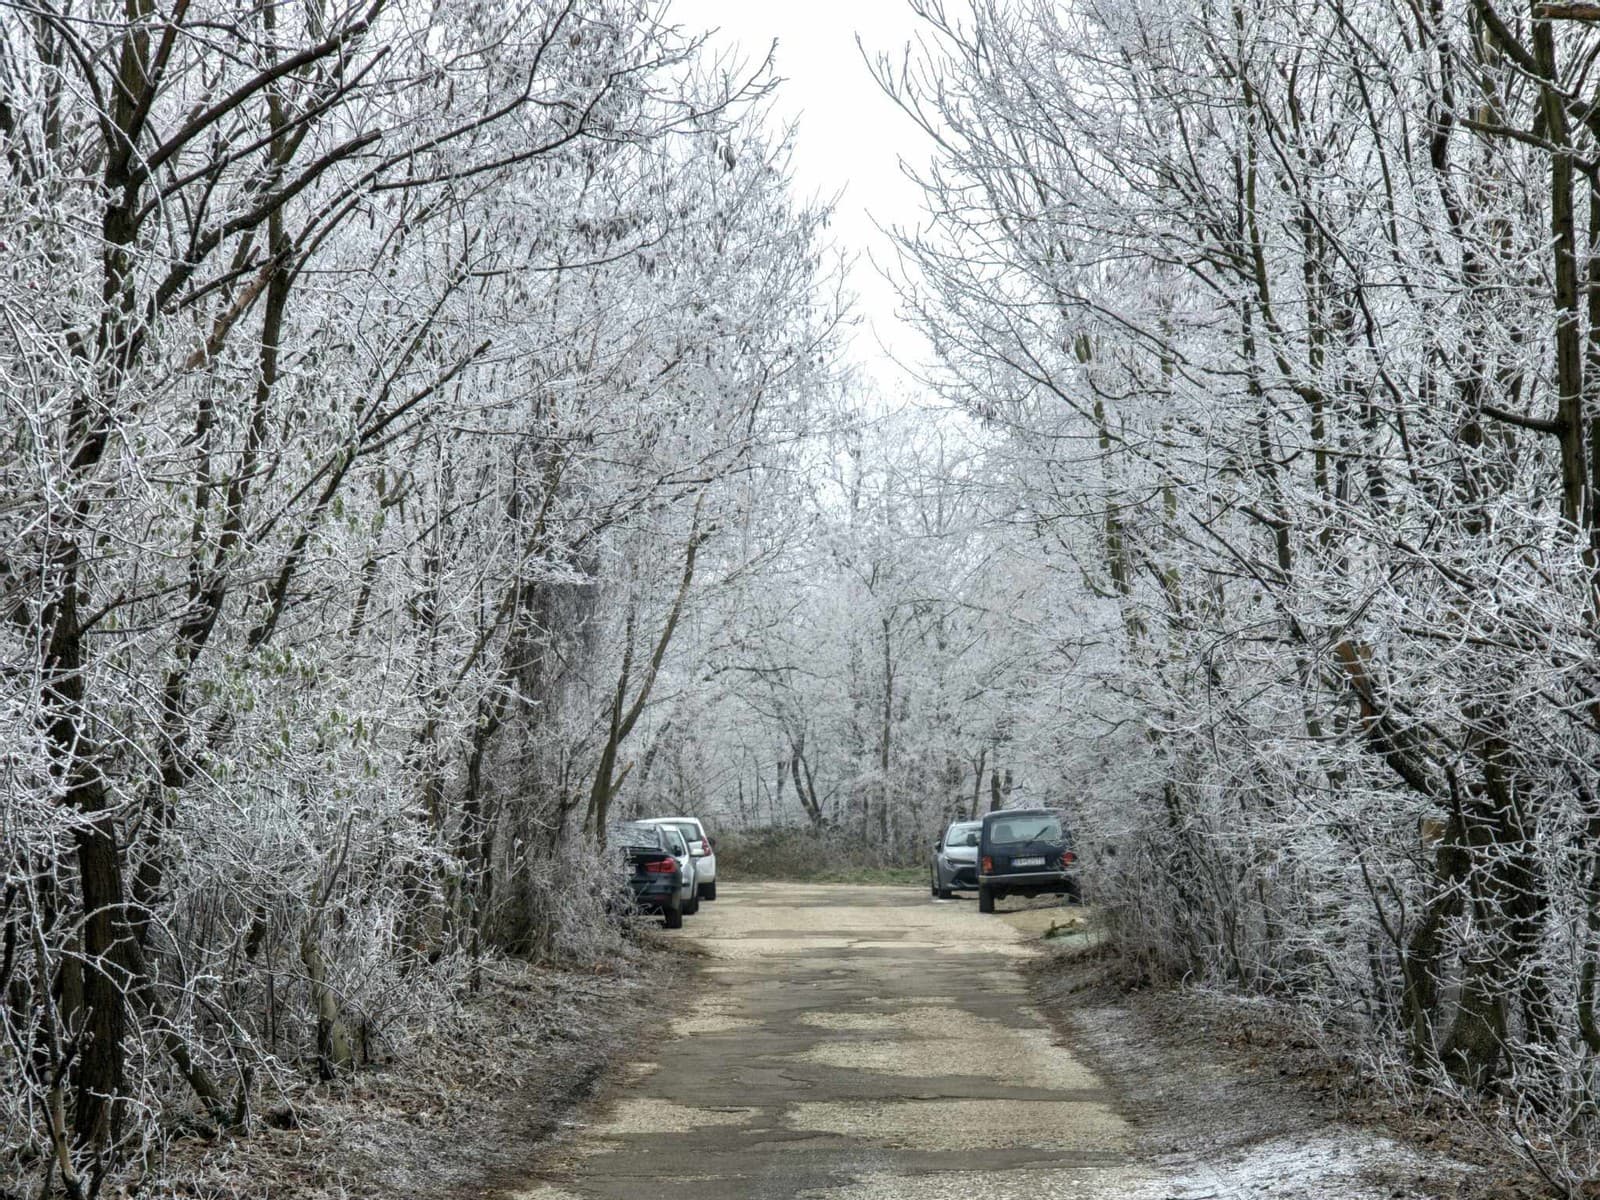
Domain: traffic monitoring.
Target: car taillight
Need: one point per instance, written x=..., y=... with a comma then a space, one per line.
x=988, y=865
x=661, y=866
x=1068, y=858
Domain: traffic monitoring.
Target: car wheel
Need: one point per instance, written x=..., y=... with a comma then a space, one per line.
x=692, y=907
x=933, y=883
x=940, y=892
x=672, y=918
x=708, y=891
x=985, y=900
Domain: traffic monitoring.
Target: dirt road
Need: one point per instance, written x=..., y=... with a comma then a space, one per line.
x=850, y=1043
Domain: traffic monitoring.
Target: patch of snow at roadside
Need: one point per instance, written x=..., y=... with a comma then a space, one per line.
x=1345, y=1163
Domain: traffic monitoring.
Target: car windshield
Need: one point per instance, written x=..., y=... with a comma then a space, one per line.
x=1037, y=827
x=963, y=835
x=688, y=829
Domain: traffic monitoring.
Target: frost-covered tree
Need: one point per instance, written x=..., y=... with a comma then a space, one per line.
x=1283, y=316
x=360, y=363
x=864, y=662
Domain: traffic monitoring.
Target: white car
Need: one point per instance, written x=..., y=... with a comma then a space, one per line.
x=701, y=848
x=678, y=847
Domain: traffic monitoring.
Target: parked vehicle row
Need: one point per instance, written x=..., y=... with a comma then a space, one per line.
x=1013, y=852
x=672, y=866
x=672, y=862
x=701, y=848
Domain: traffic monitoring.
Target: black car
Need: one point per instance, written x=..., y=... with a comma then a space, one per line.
x=654, y=877
x=1025, y=852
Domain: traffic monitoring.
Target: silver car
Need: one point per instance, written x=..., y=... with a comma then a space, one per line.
x=955, y=859
x=701, y=846
x=689, y=895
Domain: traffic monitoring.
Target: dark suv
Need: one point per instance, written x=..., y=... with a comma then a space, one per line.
x=1025, y=852
x=655, y=878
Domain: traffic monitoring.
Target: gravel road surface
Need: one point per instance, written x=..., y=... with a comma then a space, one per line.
x=853, y=1043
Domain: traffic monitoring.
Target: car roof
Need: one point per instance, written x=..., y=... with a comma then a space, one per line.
x=636, y=829
x=669, y=820
x=1021, y=812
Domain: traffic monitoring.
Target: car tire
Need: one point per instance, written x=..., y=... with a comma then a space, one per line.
x=692, y=907
x=672, y=918
x=985, y=899
x=940, y=892
x=933, y=884
x=708, y=891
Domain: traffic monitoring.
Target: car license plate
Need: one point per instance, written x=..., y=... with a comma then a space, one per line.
x=1027, y=862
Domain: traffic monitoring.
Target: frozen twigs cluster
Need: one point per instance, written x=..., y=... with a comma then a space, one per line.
x=1286, y=320
x=371, y=374
x=871, y=682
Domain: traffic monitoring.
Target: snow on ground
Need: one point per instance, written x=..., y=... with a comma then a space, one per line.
x=1347, y=1163
x=1215, y=1123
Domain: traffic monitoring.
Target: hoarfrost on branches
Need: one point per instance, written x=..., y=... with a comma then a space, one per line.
x=360, y=363
x=1282, y=318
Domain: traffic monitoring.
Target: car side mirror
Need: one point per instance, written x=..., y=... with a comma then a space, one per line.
x=938, y=843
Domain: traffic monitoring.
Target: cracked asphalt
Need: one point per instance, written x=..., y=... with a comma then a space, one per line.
x=852, y=1043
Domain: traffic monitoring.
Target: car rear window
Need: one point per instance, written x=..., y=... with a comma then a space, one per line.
x=642, y=837
x=1010, y=831
x=689, y=829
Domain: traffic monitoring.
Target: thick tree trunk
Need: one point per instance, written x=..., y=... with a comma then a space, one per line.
x=106, y=983
x=101, y=1063
x=334, y=1054
x=1423, y=952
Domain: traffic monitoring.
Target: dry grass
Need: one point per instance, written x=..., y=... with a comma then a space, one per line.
x=464, y=1112
x=797, y=855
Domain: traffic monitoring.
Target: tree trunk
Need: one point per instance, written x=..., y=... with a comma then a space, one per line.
x=333, y=1036
x=977, y=783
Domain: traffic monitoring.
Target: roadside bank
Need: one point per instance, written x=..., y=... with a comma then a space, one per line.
x=466, y=1110
x=1234, y=1097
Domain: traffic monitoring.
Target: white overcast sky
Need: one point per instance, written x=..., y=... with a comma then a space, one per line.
x=850, y=135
